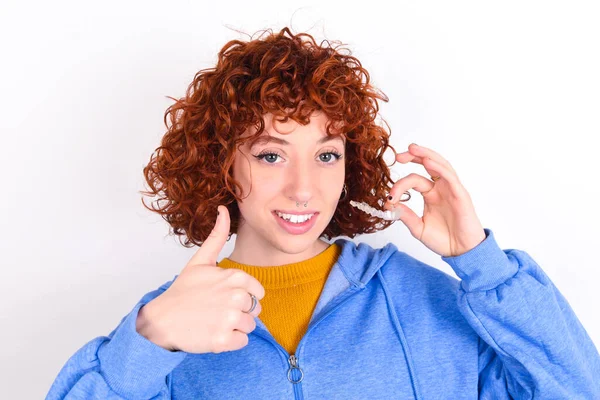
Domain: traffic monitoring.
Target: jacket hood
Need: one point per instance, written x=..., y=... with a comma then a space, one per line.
x=359, y=262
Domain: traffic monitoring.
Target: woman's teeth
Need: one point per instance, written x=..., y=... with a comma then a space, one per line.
x=386, y=215
x=295, y=219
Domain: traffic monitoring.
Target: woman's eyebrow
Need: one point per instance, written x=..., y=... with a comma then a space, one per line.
x=273, y=139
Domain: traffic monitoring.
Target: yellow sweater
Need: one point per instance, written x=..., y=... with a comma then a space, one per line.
x=291, y=293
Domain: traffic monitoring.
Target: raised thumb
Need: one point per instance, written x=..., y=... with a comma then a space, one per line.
x=212, y=246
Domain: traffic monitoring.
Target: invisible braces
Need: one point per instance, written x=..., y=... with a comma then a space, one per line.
x=386, y=215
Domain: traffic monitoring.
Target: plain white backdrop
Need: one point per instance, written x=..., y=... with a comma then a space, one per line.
x=508, y=92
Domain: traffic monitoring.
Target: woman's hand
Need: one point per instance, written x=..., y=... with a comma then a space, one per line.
x=449, y=226
x=203, y=311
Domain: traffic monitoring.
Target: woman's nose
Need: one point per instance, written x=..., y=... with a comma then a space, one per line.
x=302, y=180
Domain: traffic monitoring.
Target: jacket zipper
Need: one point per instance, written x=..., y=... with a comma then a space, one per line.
x=292, y=360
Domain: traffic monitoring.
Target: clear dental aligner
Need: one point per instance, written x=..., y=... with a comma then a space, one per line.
x=386, y=215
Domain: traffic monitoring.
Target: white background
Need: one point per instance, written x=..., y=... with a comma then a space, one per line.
x=508, y=92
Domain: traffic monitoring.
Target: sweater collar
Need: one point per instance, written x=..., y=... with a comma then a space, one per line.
x=280, y=276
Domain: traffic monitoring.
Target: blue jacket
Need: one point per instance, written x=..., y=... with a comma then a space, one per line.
x=386, y=326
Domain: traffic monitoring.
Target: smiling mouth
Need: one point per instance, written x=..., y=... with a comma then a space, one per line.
x=296, y=228
x=312, y=215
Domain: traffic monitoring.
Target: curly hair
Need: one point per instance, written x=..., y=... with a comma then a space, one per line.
x=191, y=171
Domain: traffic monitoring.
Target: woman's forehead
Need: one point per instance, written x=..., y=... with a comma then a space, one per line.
x=274, y=125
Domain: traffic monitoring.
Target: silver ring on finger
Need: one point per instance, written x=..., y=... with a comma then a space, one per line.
x=254, y=303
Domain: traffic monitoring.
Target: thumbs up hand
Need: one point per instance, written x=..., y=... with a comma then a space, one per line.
x=205, y=308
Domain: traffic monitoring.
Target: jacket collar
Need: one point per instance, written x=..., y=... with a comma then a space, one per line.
x=356, y=265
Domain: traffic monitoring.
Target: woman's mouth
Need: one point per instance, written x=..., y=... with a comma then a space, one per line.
x=296, y=224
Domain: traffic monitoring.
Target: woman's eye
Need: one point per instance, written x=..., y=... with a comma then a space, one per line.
x=330, y=154
x=329, y=158
x=268, y=157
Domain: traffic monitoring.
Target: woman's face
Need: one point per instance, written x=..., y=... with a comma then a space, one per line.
x=276, y=175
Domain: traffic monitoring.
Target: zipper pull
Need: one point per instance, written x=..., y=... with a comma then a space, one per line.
x=294, y=365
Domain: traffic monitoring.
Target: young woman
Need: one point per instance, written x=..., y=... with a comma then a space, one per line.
x=279, y=140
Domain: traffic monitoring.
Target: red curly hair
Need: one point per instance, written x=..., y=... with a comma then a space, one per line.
x=191, y=172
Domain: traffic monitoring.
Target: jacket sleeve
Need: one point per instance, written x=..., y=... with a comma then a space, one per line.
x=122, y=365
x=532, y=346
